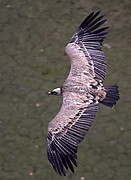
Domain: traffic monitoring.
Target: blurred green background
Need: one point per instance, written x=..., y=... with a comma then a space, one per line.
x=33, y=35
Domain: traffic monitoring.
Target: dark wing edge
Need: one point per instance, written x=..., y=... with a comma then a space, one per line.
x=91, y=35
x=62, y=146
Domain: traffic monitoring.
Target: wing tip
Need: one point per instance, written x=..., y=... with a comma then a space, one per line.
x=91, y=28
x=60, y=160
x=89, y=18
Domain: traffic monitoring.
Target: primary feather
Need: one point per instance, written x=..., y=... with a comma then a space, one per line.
x=82, y=91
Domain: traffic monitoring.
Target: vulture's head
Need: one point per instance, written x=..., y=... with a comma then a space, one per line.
x=56, y=91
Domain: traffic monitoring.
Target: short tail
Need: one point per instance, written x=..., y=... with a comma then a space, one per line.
x=112, y=95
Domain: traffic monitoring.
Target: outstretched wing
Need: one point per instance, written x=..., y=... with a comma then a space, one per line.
x=84, y=47
x=68, y=129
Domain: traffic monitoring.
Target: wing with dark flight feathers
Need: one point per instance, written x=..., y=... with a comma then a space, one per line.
x=68, y=129
x=89, y=36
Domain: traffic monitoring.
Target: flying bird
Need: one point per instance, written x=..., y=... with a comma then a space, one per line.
x=82, y=92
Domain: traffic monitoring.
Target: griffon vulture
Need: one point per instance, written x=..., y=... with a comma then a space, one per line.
x=82, y=92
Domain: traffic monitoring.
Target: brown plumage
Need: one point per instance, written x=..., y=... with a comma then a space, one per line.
x=82, y=91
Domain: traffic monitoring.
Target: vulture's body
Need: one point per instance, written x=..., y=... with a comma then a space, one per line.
x=82, y=91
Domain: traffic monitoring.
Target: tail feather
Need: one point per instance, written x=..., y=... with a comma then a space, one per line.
x=112, y=95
